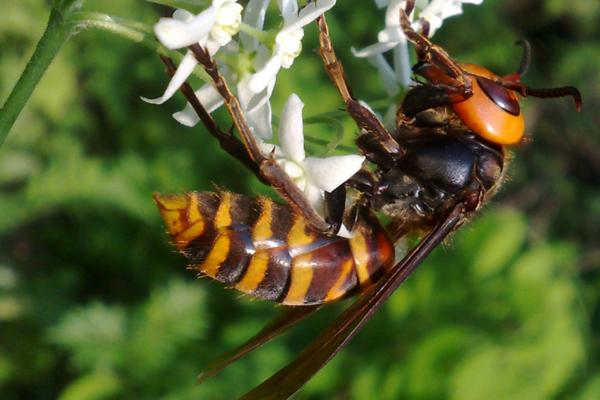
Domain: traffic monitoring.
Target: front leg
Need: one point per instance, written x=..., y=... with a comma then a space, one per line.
x=364, y=118
x=428, y=96
x=228, y=142
x=268, y=169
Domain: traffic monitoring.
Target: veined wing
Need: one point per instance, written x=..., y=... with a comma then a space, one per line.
x=291, y=378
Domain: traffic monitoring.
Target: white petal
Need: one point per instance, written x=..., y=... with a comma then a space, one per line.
x=288, y=8
x=307, y=15
x=185, y=68
x=257, y=108
x=187, y=116
x=254, y=15
x=435, y=23
x=291, y=130
x=176, y=34
x=183, y=15
x=391, y=34
x=212, y=46
x=208, y=96
x=269, y=149
x=373, y=49
x=250, y=100
x=294, y=171
x=314, y=196
x=344, y=232
x=392, y=14
x=265, y=76
x=329, y=173
x=402, y=65
x=386, y=74
x=262, y=57
x=260, y=121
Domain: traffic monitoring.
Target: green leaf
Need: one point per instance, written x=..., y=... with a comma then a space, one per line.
x=500, y=244
x=94, y=335
x=172, y=317
x=432, y=357
x=95, y=386
x=6, y=369
x=591, y=390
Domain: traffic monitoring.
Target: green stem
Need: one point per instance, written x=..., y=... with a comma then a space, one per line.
x=57, y=32
x=264, y=37
x=131, y=30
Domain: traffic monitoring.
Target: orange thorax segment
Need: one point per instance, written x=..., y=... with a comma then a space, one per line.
x=484, y=117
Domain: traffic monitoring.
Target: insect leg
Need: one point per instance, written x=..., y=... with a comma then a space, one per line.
x=438, y=61
x=365, y=119
x=268, y=168
x=228, y=142
x=335, y=205
x=425, y=97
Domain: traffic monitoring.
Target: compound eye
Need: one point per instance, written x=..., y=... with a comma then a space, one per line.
x=500, y=95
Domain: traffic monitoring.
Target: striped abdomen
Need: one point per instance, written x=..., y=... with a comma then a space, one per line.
x=266, y=250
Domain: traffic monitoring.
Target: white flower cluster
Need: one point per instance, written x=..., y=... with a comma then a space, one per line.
x=261, y=54
x=392, y=37
x=215, y=29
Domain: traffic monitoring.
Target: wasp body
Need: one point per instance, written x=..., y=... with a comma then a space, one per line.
x=445, y=158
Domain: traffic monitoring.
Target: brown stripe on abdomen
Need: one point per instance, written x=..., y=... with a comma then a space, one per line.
x=333, y=272
x=244, y=215
x=276, y=279
x=372, y=250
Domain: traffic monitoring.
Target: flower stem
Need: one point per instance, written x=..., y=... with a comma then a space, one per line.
x=57, y=32
x=263, y=36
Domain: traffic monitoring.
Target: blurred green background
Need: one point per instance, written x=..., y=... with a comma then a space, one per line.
x=95, y=304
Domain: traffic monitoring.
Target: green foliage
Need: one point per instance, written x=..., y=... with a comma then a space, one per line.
x=94, y=304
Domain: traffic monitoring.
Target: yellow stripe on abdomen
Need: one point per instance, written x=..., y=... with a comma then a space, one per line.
x=223, y=215
x=301, y=270
x=300, y=280
x=217, y=255
x=262, y=229
x=255, y=273
x=361, y=254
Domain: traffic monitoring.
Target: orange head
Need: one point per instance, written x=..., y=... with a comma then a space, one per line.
x=492, y=110
x=486, y=103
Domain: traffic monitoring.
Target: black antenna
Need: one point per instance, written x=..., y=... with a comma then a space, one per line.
x=526, y=58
